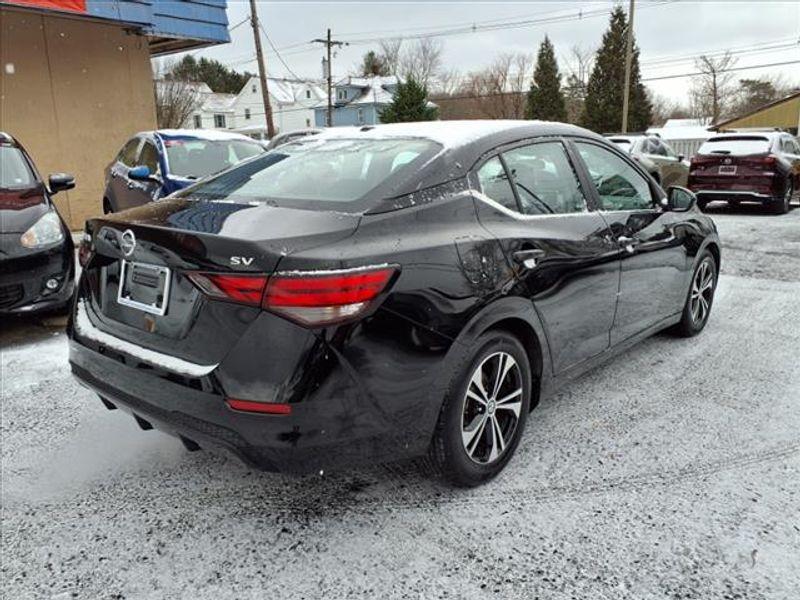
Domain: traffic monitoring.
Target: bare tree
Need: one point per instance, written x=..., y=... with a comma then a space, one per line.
x=447, y=82
x=712, y=93
x=579, y=68
x=176, y=99
x=664, y=108
x=499, y=90
x=390, y=54
x=422, y=60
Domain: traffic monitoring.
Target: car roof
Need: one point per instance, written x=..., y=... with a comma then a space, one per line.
x=769, y=135
x=7, y=138
x=200, y=134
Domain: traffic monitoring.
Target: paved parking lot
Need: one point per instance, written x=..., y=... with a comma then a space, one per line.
x=671, y=472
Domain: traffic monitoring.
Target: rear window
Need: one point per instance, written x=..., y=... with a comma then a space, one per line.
x=736, y=146
x=195, y=159
x=319, y=171
x=14, y=169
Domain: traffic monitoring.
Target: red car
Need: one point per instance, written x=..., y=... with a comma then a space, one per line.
x=747, y=167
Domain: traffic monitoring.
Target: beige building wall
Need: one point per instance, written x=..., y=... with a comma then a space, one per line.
x=72, y=91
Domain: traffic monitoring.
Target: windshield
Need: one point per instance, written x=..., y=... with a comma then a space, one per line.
x=195, y=158
x=624, y=144
x=739, y=146
x=319, y=170
x=14, y=169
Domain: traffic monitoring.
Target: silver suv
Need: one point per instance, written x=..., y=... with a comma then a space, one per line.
x=656, y=156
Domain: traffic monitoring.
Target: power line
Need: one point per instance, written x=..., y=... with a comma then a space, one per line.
x=747, y=68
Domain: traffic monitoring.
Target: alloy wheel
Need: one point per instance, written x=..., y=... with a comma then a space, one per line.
x=491, y=408
x=702, y=292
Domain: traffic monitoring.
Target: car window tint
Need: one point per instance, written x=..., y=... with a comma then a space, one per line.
x=545, y=180
x=14, y=170
x=127, y=155
x=619, y=185
x=495, y=184
x=149, y=157
x=196, y=158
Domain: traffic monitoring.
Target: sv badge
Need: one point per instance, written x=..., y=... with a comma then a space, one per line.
x=241, y=261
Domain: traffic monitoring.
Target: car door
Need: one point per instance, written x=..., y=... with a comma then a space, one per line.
x=142, y=192
x=678, y=170
x=791, y=152
x=669, y=167
x=654, y=264
x=118, y=174
x=560, y=249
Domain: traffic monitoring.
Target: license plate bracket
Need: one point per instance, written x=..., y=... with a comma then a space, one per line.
x=144, y=287
x=727, y=169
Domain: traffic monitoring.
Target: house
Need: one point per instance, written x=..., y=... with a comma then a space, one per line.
x=292, y=102
x=215, y=111
x=358, y=101
x=780, y=114
x=77, y=81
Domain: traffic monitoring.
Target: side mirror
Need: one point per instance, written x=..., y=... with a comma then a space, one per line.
x=681, y=157
x=680, y=199
x=59, y=182
x=141, y=173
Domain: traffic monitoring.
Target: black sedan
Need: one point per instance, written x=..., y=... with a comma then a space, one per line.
x=37, y=262
x=387, y=292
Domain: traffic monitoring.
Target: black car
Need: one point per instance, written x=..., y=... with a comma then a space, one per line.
x=386, y=292
x=37, y=260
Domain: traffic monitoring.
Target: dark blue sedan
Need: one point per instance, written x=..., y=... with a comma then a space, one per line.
x=153, y=164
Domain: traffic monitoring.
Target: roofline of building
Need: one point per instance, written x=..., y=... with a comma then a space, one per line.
x=792, y=96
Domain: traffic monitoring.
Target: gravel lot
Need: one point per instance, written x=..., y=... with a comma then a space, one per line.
x=671, y=472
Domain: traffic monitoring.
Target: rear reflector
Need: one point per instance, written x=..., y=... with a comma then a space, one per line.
x=267, y=408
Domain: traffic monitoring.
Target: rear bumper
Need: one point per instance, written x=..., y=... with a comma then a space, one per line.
x=726, y=195
x=337, y=422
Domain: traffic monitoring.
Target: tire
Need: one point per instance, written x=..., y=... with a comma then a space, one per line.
x=781, y=205
x=473, y=396
x=696, y=311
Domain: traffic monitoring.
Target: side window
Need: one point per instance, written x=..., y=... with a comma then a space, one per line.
x=149, y=157
x=494, y=183
x=669, y=150
x=657, y=148
x=127, y=156
x=545, y=180
x=618, y=184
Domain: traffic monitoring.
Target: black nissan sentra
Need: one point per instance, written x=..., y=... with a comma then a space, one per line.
x=386, y=292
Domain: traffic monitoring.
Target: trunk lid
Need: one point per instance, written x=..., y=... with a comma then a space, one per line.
x=186, y=235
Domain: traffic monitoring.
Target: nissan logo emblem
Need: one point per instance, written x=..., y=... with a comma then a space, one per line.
x=128, y=242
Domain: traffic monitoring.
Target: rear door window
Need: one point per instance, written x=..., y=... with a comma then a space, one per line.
x=544, y=179
x=619, y=185
x=149, y=157
x=127, y=156
x=495, y=184
x=736, y=146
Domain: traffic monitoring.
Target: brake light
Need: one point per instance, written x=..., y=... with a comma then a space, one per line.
x=326, y=297
x=243, y=289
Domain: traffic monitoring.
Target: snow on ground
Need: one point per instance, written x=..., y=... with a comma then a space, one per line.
x=671, y=472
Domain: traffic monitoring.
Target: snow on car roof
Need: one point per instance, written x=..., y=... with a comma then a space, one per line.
x=202, y=134
x=450, y=134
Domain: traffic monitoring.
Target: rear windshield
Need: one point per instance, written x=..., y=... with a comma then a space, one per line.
x=317, y=170
x=14, y=170
x=736, y=146
x=195, y=159
x=624, y=144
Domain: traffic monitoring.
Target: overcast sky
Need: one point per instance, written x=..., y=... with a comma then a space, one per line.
x=668, y=33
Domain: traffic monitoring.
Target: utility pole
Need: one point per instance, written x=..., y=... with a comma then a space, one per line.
x=626, y=93
x=262, y=70
x=329, y=43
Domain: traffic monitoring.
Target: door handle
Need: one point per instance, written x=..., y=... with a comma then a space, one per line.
x=629, y=243
x=131, y=185
x=529, y=258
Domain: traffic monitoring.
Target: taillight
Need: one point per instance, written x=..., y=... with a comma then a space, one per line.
x=325, y=297
x=265, y=408
x=243, y=289
x=307, y=297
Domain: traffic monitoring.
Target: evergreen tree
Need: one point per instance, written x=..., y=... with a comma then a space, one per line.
x=373, y=65
x=410, y=103
x=212, y=72
x=603, y=106
x=545, y=98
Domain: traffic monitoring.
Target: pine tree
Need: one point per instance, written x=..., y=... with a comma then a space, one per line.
x=218, y=77
x=410, y=103
x=545, y=98
x=372, y=64
x=603, y=106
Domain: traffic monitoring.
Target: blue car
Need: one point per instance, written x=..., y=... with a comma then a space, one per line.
x=153, y=164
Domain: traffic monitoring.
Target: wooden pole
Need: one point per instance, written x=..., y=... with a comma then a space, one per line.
x=628, y=64
x=262, y=70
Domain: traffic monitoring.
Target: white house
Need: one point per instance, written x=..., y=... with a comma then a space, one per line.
x=685, y=136
x=292, y=102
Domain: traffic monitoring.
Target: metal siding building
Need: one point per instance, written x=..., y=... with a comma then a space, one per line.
x=76, y=80
x=781, y=114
